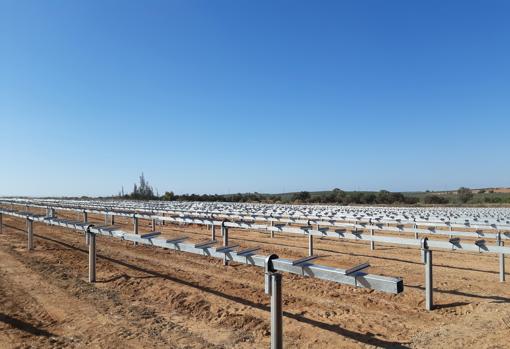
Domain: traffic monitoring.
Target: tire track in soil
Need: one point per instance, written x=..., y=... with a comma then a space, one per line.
x=52, y=299
x=239, y=293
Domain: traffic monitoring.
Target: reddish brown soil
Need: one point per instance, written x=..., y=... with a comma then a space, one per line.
x=148, y=297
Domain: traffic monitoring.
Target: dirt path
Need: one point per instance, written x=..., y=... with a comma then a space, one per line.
x=148, y=297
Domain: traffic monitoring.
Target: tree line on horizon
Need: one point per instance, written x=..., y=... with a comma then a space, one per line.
x=143, y=191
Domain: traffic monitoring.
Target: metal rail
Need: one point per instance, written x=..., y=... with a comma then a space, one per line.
x=449, y=217
x=359, y=279
x=353, y=233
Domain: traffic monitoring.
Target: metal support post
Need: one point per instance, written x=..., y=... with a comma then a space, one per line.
x=113, y=219
x=153, y=224
x=213, y=232
x=276, y=311
x=429, y=300
x=273, y=287
x=30, y=231
x=135, y=227
x=224, y=231
x=310, y=244
x=92, y=256
x=502, y=276
x=85, y=219
x=427, y=261
x=372, y=242
x=272, y=232
x=1, y=223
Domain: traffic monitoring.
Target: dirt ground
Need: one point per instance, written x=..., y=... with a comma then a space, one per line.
x=148, y=297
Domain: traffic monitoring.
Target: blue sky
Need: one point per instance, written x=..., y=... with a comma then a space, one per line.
x=267, y=96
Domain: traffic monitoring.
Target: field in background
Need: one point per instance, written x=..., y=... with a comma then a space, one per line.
x=481, y=197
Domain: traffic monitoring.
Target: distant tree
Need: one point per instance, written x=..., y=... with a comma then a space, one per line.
x=355, y=198
x=435, y=200
x=384, y=197
x=301, y=196
x=340, y=196
x=143, y=191
x=411, y=200
x=481, y=191
x=275, y=198
x=464, y=194
x=169, y=196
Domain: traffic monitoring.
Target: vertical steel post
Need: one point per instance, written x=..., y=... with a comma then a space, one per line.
x=135, y=227
x=213, y=232
x=372, y=243
x=1, y=223
x=85, y=216
x=92, y=256
x=113, y=219
x=310, y=244
x=272, y=232
x=501, y=260
x=153, y=224
x=415, y=227
x=85, y=220
x=429, y=300
x=276, y=311
x=30, y=232
x=224, y=230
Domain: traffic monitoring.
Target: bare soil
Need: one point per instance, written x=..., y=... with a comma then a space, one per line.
x=148, y=297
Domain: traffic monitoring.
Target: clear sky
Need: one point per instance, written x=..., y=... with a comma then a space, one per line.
x=268, y=96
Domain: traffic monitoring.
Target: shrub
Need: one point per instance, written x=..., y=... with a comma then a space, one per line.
x=464, y=194
x=435, y=200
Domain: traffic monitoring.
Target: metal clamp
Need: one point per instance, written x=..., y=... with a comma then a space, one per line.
x=268, y=263
x=303, y=260
x=150, y=235
x=268, y=270
x=424, y=242
x=247, y=252
x=357, y=268
x=455, y=242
